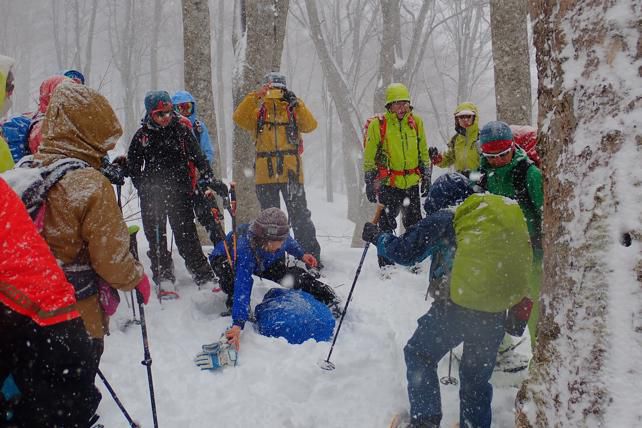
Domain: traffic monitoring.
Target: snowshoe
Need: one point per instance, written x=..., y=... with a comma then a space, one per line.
x=166, y=290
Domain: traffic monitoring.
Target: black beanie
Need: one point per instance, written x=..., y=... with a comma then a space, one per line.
x=271, y=225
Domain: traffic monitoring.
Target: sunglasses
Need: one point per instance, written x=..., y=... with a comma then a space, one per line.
x=466, y=116
x=161, y=114
x=497, y=155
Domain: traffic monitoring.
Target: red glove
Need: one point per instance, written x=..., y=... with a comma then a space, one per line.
x=143, y=290
x=436, y=159
x=310, y=260
x=522, y=310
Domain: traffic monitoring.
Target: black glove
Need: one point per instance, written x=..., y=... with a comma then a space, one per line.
x=370, y=232
x=219, y=187
x=290, y=98
x=371, y=186
x=425, y=181
x=113, y=171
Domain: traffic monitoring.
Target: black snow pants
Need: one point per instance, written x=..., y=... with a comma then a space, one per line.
x=158, y=203
x=406, y=201
x=298, y=212
x=54, y=367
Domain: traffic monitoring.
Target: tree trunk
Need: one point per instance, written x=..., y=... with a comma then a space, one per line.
x=508, y=23
x=153, y=51
x=256, y=55
x=198, y=67
x=590, y=113
x=220, y=88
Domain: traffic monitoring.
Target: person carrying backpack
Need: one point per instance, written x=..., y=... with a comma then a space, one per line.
x=479, y=246
x=6, y=90
x=163, y=162
x=277, y=118
x=462, y=151
x=508, y=171
x=395, y=161
x=260, y=251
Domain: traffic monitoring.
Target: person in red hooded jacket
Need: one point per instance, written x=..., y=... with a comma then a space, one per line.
x=44, y=343
x=47, y=88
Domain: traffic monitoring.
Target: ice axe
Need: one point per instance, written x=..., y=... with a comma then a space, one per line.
x=326, y=364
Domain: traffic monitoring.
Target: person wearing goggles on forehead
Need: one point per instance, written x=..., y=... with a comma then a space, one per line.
x=462, y=151
x=507, y=170
x=163, y=162
x=6, y=90
x=395, y=161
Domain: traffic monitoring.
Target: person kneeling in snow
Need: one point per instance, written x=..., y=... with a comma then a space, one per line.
x=260, y=251
x=480, y=247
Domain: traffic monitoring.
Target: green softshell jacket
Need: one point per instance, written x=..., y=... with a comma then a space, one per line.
x=494, y=257
x=462, y=148
x=500, y=182
x=404, y=149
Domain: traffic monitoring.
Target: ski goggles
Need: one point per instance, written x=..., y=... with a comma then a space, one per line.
x=185, y=108
x=497, y=155
x=161, y=114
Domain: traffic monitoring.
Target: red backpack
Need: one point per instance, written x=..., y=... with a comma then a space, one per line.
x=526, y=138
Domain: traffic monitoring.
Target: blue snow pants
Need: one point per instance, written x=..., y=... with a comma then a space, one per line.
x=442, y=328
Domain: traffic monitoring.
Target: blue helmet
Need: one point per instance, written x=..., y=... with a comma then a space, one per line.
x=448, y=190
x=74, y=75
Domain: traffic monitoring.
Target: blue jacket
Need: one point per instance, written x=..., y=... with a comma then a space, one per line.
x=199, y=127
x=251, y=261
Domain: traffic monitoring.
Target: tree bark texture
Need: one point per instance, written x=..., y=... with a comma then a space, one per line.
x=508, y=23
x=589, y=62
x=198, y=67
x=258, y=45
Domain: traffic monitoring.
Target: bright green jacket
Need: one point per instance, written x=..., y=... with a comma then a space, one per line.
x=462, y=148
x=500, y=181
x=404, y=149
x=6, y=161
x=493, y=260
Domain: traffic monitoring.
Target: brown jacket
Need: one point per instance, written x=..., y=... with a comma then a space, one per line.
x=83, y=223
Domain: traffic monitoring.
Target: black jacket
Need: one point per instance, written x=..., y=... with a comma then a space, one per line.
x=160, y=156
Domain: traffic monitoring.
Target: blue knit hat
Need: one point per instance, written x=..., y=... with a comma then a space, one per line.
x=495, y=136
x=157, y=100
x=448, y=190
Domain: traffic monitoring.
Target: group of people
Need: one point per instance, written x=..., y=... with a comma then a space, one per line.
x=486, y=258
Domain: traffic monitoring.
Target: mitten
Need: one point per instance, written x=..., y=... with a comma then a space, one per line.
x=517, y=317
x=113, y=171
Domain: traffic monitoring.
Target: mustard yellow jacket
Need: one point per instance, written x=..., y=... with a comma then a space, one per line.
x=275, y=156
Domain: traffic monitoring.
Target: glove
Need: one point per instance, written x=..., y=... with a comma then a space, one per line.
x=435, y=156
x=517, y=317
x=310, y=260
x=143, y=290
x=216, y=355
x=290, y=98
x=113, y=171
x=425, y=182
x=372, y=186
x=370, y=232
x=219, y=187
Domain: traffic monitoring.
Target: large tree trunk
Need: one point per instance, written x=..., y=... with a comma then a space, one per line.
x=198, y=67
x=508, y=23
x=220, y=88
x=256, y=55
x=153, y=51
x=590, y=113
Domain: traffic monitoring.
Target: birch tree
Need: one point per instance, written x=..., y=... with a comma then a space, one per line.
x=256, y=55
x=589, y=62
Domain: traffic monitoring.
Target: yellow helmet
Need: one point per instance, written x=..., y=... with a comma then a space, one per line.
x=397, y=92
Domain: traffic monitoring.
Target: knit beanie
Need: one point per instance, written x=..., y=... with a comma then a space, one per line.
x=495, y=137
x=271, y=224
x=157, y=100
x=276, y=79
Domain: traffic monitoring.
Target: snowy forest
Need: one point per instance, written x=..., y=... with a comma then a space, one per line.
x=572, y=69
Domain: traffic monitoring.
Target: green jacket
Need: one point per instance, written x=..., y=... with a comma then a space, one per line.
x=462, y=148
x=502, y=181
x=404, y=149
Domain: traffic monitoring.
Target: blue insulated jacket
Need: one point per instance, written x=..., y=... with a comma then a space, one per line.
x=251, y=261
x=181, y=97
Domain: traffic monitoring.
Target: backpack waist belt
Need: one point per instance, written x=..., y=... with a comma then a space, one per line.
x=392, y=174
x=279, y=154
x=83, y=278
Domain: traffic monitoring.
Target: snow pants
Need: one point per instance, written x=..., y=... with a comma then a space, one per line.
x=157, y=203
x=298, y=213
x=444, y=327
x=406, y=201
x=289, y=276
x=54, y=367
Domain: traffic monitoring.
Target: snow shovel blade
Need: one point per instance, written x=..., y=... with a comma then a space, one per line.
x=326, y=365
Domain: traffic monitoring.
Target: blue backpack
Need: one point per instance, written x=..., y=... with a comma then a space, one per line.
x=294, y=315
x=16, y=133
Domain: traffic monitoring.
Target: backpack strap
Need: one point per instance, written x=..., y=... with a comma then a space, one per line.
x=198, y=130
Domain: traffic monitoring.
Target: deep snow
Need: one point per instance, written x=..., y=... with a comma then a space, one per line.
x=277, y=384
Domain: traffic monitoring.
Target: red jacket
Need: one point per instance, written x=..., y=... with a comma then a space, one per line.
x=31, y=282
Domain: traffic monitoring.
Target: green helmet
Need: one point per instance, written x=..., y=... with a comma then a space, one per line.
x=397, y=92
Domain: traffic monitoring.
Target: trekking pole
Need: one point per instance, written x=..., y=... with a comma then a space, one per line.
x=118, y=402
x=326, y=364
x=147, y=361
x=217, y=220
x=449, y=380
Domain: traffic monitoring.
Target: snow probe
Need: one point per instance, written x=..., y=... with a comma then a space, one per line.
x=326, y=364
x=118, y=402
x=147, y=362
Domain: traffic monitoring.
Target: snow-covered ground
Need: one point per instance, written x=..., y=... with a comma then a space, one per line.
x=277, y=384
